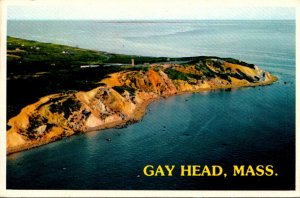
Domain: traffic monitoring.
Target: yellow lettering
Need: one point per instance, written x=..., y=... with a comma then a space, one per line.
x=185, y=169
x=196, y=170
x=148, y=170
x=217, y=170
x=269, y=170
x=206, y=171
x=250, y=170
x=238, y=170
x=170, y=170
x=160, y=171
x=260, y=170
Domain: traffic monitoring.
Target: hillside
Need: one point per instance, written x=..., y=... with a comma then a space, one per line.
x=69, y=99
x=51, y=68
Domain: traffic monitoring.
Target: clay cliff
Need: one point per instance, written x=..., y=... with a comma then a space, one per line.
x=122, y=98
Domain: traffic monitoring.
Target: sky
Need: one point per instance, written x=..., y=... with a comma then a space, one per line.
x=143, y=10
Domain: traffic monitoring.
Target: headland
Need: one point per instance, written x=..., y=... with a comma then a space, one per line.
x=77, y=90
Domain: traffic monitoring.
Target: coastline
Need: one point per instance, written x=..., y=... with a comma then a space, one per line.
x=136, y=116
x=102, y=96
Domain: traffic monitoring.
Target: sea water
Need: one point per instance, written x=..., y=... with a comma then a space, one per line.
x=245, y=126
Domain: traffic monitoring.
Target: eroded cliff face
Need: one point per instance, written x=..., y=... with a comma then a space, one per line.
x=122, y=99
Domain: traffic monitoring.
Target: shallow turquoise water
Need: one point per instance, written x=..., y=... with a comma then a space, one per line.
x=242, y=126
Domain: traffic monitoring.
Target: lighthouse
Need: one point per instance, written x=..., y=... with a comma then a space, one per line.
x=132, y=61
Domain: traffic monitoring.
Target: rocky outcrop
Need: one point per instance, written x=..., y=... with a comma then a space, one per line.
x=122, y=99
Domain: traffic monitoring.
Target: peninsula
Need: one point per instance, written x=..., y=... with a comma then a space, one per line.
x=55, y=91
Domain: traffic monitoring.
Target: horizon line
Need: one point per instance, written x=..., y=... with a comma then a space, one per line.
x=149, y=20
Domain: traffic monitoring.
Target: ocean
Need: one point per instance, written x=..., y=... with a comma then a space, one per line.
x=245, y=126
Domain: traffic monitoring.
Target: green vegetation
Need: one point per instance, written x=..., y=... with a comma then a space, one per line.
x=135, y=68
x=176, y=75
x=36, y=69
x=195, y=76
x=234, y=61
x=121, y=89
x=66, y=107
x=242, y=75
x=35, y=122
x=35, y=56
x=32, y=56
x=224, y=76
x=197, y=59
x=201, y=66
x=126, y=59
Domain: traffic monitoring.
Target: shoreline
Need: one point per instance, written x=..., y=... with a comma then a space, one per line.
x=136, y=116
